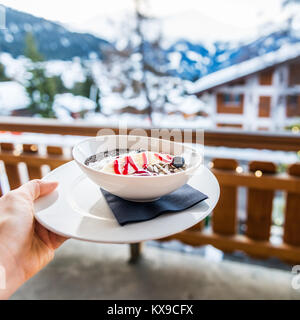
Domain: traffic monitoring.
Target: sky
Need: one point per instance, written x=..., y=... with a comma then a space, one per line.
x=192, y=19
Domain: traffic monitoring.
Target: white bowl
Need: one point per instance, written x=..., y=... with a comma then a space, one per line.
x=136, y=188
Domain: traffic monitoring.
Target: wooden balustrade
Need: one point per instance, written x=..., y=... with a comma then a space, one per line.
x=30, y=155
x=292, y=211
x=34, y=171
x=220, y=137
x=260, y=179
x=259, y=217
x=11, y=168
x=224, y=219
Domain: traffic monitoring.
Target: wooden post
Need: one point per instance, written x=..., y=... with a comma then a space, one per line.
x=260, y=204
x=12, y=170
x=135, y=252
x=292, y=212
x=34, y=172
x=224, y=214
x=199, y=226
x=54, y=151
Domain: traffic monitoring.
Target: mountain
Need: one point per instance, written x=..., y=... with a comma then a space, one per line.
x=54, y=40
x=185, y=58
x=197, y=60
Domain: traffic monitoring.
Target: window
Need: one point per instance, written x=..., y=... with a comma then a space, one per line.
x=238, y=82
x=292, y=100
x=230, y=125
x=264, y=107
x=232, y=99
x=265, y=78
x=293, y=106
x=230, y=103
x=294, y=74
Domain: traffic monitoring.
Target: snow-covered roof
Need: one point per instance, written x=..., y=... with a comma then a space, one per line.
x=73, y=103
x=215, y=79
x=115, y=101
x=70, y=71
x=186, y=104
x=15, y=69
x=13, y=96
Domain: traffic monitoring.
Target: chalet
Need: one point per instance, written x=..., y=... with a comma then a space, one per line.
x=262, y=93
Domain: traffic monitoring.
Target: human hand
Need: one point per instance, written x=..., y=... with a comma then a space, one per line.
x=25, y=245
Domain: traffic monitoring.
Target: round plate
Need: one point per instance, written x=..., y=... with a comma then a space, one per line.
x=77, y=209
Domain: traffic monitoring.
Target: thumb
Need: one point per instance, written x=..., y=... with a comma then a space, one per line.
x=38, y=188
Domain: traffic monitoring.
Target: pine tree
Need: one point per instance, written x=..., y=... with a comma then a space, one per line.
x=3, y=76
x=88, y=88
x=40, y=88
x=140, y=69
x=59, y=85
x=31, y=50
x=97, y=100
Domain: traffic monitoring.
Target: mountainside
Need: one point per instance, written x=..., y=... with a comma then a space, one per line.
x=54, y=41
x=196, y=60
x=185, y=59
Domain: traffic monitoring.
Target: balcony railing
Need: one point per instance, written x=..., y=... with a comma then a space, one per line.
x=261, y=180
x=225, y=138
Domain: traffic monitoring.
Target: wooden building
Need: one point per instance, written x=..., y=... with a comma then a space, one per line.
x=262, y=93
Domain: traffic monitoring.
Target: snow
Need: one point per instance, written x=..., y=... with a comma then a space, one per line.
x=67, y=102
x=13, y=28
x=127, y=120
x=174, y=58
x=107, y=80
x=8, y=37
x=62, y=113
x=174, y=121
x=252, y=155
x=139, y=102
x=285, y=53
x=112, y=102
x=15, y=68
x=13, y=96
x=186, y=104
x=70, y=71
x=40, y=139
x=65, y=42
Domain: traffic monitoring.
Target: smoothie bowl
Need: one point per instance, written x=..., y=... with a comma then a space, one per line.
x=136, y=168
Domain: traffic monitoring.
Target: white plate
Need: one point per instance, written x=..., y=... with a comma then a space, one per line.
x=78, y=210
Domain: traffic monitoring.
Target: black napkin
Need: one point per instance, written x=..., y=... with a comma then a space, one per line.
x=128, y=211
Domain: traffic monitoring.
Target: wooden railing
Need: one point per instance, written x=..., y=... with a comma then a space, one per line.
x=32, y=158
x=261, y=180
x=225, y=138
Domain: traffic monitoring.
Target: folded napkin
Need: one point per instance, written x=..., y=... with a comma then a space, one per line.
x=128, y=211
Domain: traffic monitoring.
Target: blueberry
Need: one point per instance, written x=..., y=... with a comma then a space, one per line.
x=178, y=162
